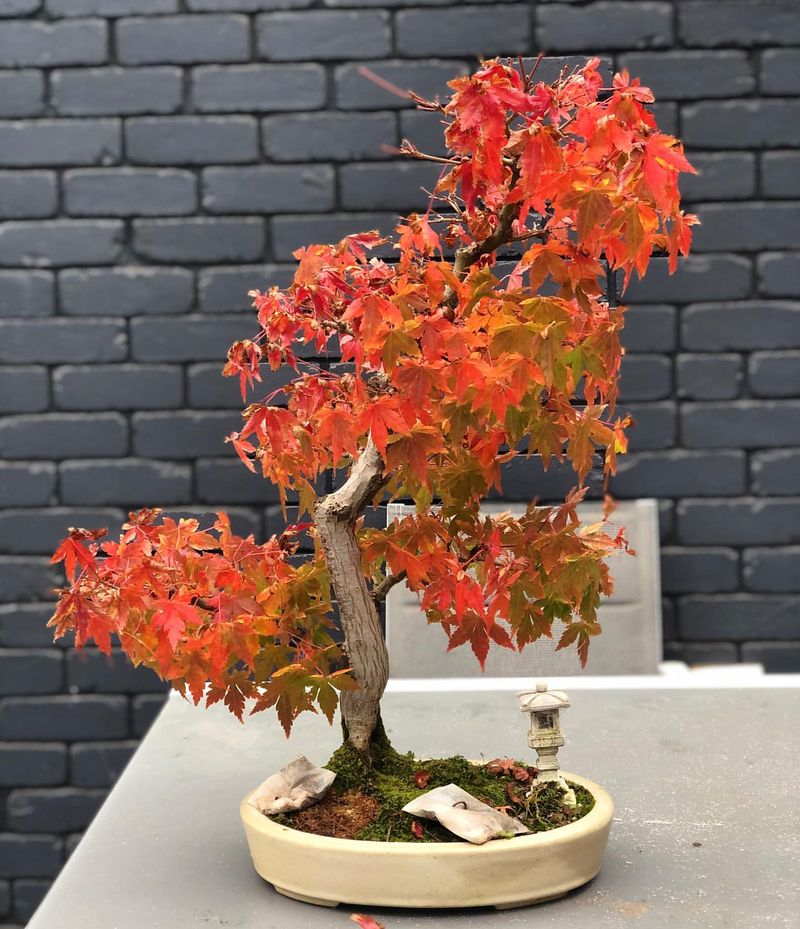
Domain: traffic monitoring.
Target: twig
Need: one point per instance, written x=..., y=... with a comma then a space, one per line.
x=380, y=591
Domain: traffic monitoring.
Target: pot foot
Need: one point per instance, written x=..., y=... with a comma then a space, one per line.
x=305, y=899
x=519, y=903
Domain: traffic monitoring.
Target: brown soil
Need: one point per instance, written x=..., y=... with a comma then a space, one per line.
x=340, y=815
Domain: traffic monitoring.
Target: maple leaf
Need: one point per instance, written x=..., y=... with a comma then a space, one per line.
x=172, y=616
x=417, y=829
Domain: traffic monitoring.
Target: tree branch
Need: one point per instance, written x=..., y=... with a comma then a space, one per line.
x=380, y=591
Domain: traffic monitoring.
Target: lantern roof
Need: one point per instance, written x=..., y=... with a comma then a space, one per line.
x=542, y=699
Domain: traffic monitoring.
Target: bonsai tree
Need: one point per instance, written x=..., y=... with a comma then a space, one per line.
x=452, y=363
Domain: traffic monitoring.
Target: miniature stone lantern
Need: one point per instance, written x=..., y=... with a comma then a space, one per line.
x=545, y=732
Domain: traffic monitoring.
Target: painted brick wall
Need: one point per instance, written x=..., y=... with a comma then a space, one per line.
x=158, y=158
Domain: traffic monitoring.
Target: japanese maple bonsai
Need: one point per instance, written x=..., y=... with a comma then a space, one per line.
x=449, y=368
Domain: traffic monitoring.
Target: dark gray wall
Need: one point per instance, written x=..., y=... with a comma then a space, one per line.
x=155, y=154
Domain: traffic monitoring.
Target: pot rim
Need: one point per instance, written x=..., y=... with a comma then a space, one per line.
x=599, y=816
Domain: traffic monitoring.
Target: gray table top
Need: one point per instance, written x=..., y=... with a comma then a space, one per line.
x=715, y=767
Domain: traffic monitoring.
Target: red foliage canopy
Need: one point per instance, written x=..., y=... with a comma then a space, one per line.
x=452, y=367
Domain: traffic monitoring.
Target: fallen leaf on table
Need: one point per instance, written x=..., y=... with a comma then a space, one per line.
x=366, y=922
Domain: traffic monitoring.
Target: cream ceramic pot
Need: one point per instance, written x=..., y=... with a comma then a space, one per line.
x=503, y=873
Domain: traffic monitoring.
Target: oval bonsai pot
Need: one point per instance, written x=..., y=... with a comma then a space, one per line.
x=502, y=873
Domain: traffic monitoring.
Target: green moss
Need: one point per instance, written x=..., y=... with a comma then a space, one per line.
x=388, y=776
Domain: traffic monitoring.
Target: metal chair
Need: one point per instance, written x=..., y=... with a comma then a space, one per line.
x=631, y=618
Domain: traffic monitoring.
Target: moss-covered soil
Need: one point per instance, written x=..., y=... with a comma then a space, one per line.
x=366, y=799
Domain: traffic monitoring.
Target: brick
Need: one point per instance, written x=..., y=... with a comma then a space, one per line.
x=116, y=91
x=779, y=174
x=132, y=482
x=746, y=226
x=226, y=289
x=248, y=6
x=26, y=293
x=145, y=709
x=57, y=809
x=328, y=136
x=37, y=532
x=709, y=377
x=525, y=478
x=28, y=894
x=208, y=389
x=201, y=240
x=738, y=617
x=741, y=326
x=779, y=274
x=99, y=764
x=721, y=176
x=700, y=277
x=424, y=130
x=258, y=88
x=24, y=390
x=129, y=192
x=355, y=91
x=32, y=764
x=20, y=7
x=25, y=194
x=182, y=435
x=5, y=898
x=182, y=39
x=680, y=473
x=743, y=424
x=654, y=425
x=322, y=35
x=23, y=579
x=292, y=232
x=774, y=374
x=699, y=570
x=43, y=45
x=780, y=71
x=21, y=93
x=650, y=329
x=645, y=377
x=24, y=625
x=464, y=30
x=90, y=671
x=777, y=657
x=604, y=25
x=30, y=856
x=47, y=142
x=776, y=472
x=62, y=435
x=109, y=7
x=26, y=484
x=62, y=717
x=30, y=671
x=742, y=124
x=689, y=75
x=268, y=189
x=197, y=338
x=710, y=24
x=228, y=482
x=125, y=291
x=746, y=521
x=117, y=387
x=395, y=186
x=666, y=116
x=772, y=570
x=50, y=341
x=183, y=140
x=697, y=654
x=60, y=242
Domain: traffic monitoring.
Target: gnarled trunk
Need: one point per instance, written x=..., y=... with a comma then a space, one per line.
x=335, y=517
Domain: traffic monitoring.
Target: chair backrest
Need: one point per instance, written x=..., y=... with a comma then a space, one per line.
x=631, y=617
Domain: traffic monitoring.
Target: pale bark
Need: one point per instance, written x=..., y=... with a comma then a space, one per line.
x=335, y=517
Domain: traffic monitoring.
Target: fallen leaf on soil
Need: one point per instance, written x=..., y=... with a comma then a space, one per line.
x=366, y=922
x=418, y=829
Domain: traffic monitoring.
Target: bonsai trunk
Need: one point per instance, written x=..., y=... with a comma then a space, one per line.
x=335, y=517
